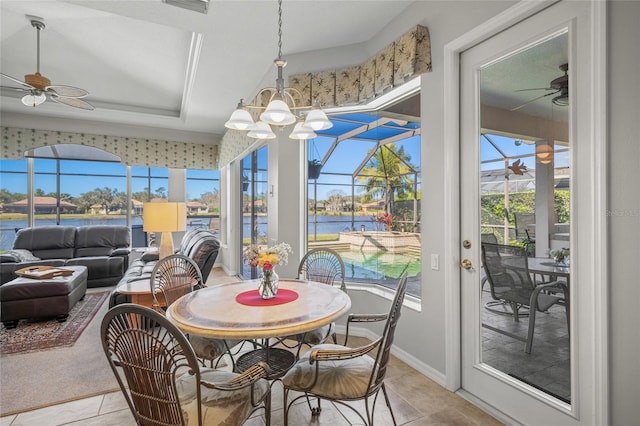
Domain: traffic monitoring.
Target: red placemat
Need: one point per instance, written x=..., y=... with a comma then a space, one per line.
x=253, y=298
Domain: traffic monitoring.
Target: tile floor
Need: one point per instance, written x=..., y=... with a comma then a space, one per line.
x=416, y=400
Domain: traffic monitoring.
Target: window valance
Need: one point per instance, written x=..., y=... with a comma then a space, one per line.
x=405, y=58
x=132, y=151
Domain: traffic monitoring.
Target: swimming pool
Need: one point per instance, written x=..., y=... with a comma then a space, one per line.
x=377, y=266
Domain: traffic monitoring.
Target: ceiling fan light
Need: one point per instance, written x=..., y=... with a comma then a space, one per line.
x=278, y=113
x=301, y=131
x=261, y=130
x=317, y=120
x=33, y=99
x=240, y=120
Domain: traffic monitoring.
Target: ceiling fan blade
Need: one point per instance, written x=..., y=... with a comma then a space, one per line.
x=18, y=89
x=535, y=88
x=67, y=91
x=74, y=102
x=28, y=86
x=533, y=100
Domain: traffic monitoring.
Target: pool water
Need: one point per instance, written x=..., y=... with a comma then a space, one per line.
x=367, y=266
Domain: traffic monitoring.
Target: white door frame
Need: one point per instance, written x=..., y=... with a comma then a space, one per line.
x=596, y=373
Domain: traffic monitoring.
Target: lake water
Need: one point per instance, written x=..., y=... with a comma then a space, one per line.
x=325, y=225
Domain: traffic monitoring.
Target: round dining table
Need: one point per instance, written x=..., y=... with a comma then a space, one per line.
x=235, y=311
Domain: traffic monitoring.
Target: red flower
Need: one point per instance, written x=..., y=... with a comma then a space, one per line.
x=267, y=266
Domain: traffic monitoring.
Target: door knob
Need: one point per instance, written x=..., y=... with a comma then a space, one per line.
x=466, y=264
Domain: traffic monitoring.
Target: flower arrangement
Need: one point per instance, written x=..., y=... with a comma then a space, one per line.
x=559, y=255
x=384, y=218
x=267, y=257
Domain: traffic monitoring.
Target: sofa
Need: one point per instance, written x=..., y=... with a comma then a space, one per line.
x=103, y=249
x=199, y=244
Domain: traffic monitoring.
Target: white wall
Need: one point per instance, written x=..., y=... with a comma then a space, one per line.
x=624, y=209
x=421, y=334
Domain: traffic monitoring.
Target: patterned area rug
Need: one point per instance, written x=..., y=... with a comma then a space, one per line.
x=34, y=335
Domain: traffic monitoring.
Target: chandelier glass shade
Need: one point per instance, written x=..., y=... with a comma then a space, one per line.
x=281, y=110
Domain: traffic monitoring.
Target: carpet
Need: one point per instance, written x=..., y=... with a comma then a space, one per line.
x=40, y=378
x=36, y=335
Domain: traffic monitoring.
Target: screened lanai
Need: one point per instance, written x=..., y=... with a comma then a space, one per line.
x=365, y=201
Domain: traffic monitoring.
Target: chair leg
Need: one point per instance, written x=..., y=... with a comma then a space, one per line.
x=386, y=398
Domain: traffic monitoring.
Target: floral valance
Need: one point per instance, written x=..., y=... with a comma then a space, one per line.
x=132, y=151
x=399, y=62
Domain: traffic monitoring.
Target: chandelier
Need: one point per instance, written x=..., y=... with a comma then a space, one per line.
x=281, y=109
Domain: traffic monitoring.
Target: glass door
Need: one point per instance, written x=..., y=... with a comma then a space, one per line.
x=254, y=204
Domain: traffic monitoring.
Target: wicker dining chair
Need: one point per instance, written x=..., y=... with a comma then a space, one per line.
x=162, y=380
x=322, y=265
x=340, y=374
x=173, y=277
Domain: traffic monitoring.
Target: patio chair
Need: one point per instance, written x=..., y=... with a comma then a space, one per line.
x=162, y=381
x=510, y=281
x=173, y=277
x=340, y=374
x=322, y=265
x=525, y=230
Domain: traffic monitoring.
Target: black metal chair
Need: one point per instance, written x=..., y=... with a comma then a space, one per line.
x=162, y=380
x=507, y=272
x=340, y=374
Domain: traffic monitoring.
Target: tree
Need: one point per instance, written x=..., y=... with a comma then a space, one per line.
x=106, y=197
x=336, y=200
x=387, y=175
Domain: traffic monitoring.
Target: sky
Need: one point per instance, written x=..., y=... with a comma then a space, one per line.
x=346, y=158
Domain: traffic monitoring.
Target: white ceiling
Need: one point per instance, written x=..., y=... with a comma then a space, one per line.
x=148, y=63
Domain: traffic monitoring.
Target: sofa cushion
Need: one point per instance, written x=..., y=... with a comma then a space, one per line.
x=47, y=242
x=100, y=240
x=100, y=266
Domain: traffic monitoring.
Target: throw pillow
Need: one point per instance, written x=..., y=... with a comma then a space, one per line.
x=23, y=255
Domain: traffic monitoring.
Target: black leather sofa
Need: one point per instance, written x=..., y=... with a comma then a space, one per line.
x=103, y=249
x=199, y=244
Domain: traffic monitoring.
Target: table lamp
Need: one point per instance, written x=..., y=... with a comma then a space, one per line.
x=166, y=218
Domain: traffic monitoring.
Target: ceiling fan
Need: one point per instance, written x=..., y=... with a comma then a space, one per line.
x=559, y=87
x=39, y=87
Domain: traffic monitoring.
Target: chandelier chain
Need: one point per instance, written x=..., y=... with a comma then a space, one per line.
x=279, y=29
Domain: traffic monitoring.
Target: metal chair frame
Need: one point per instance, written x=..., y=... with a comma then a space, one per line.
x=173, y=277
x=147, y=353
x=512, y=283
x=378, y=372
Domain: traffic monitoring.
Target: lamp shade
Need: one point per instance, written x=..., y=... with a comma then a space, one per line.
x=240, y=120
x=317, y=120
x=544, y=154
x=164, y=217
x=278, y=113
x=301, y=131
x=261, y=130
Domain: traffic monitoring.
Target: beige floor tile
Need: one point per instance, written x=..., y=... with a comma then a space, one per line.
x=6, y=420
x=116, y=418
x=60, y=414
x=113, y=401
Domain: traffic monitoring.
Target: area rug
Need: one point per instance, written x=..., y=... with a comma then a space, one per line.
x=40, y=378
x=33, y=335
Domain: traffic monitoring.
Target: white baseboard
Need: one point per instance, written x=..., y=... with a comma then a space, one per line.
x=402, y=355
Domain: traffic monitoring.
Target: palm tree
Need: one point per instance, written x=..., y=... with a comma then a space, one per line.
x=387, y=173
